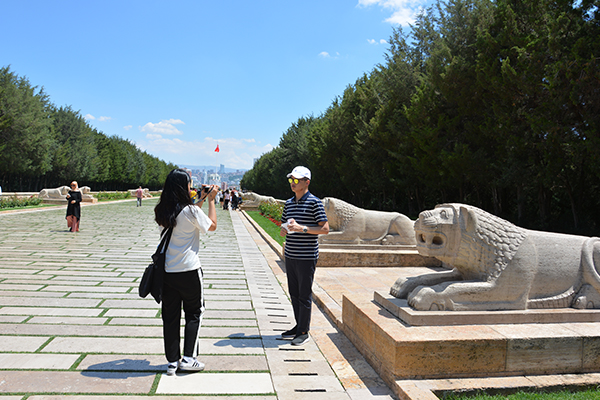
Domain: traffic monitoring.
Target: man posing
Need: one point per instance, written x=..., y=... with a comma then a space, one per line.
x=303, y=219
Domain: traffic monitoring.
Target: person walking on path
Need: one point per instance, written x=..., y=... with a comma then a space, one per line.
x=139, y=193
x=183, y=271
x=226, y=198
x=73, y=207
x=303, y=219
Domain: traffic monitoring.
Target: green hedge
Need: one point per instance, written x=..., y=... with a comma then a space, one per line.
x=105, y=196
x=15, y=202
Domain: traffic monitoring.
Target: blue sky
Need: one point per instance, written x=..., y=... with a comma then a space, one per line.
x=179, y=77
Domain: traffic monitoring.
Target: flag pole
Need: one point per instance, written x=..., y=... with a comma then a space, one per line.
x=217, y=165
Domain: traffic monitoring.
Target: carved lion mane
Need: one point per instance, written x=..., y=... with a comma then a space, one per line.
x=491, y=233
x=339, y=213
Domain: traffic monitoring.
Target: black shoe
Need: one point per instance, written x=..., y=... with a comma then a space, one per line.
x=301, y=339
x=289, y=334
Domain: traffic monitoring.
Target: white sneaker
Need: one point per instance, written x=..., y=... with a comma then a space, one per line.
x=172, y=368
x=191, y=366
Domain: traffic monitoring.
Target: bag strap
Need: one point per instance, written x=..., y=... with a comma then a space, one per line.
x=166, y=238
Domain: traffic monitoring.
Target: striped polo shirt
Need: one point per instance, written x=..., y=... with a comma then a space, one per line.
x=307, y=211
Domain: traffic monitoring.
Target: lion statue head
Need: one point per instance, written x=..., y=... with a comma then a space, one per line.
x=475, y=242
x=338, y=212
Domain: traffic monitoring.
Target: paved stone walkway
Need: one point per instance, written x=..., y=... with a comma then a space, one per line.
x=73, y=327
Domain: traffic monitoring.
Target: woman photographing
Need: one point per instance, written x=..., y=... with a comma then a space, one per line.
x=183, y=272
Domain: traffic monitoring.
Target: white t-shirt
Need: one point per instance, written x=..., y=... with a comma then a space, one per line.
x=182, y=254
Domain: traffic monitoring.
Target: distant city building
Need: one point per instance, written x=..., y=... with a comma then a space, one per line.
x=222, y=169
x=214, y=179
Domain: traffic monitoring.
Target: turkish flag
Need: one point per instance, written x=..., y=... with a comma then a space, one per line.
x=217, y=149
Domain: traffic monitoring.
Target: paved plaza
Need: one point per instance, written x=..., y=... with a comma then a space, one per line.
x=72, y=325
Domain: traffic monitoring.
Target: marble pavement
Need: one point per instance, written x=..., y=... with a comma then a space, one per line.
x=73, y=327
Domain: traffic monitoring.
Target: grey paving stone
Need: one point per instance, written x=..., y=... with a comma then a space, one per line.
x=12, y=319
x=132, y=312
x=227, y=314
x=67, y=321
x=86, y=312
x=223, y=383
x=79, y=330
x=37, y=361
x=231, y=346
x=104, y=345
x=75, y=382
x=47, y=302
x=22, y=343
x=19, y=287
x=135, y=321
x=306, y=384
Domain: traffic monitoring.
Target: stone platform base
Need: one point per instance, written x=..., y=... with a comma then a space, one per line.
x=400, y=309
x=399, y=351
x=373, y=256
x=58, y=202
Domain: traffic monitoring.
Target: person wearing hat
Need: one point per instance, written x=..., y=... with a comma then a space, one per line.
x=303, y=219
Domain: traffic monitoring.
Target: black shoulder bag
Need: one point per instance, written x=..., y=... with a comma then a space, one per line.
x=152, y=280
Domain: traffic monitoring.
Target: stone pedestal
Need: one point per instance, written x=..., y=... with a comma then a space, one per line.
x=399, y=351
x=373, y=256
x=58, y=202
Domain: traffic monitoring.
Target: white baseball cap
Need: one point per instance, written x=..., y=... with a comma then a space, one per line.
x=300, y=172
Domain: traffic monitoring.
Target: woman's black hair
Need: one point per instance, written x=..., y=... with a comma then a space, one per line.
x=173, y=199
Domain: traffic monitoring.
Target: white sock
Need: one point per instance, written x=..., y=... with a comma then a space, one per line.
x=188, y=359
x=173, y=364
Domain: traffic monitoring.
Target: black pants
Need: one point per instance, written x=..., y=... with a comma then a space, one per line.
x=300, y=276
x=182, y=288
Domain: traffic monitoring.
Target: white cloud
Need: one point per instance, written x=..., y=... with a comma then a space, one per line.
x=127, y=127
x=403, y=11
x=89, y=116
x=324, y=54
x=165, y=127
x=104, y=119
x=153, y=136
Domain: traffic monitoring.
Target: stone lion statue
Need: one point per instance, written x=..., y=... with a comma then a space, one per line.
x=349, y=224
x=58, y=193
x=254, y=199
x=499, y=266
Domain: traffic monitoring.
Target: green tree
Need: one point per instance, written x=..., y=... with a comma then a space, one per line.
x=26, y=132
x=76, y=155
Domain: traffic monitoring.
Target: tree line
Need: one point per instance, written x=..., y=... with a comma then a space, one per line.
x=45, y=146
x=490, y=103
